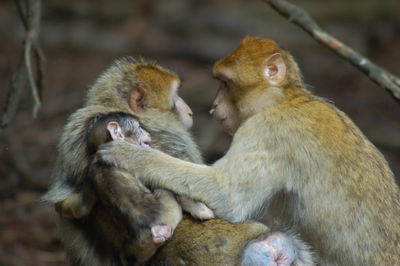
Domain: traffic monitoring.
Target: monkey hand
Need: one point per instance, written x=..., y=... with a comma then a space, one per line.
x=120, y=153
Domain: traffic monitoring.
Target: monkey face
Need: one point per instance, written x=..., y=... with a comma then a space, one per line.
x=184, y=112
x=143, y=137
x=251, y=78
x=129, y=130
x=224, y=109
x=134, y=133
x=158, y=89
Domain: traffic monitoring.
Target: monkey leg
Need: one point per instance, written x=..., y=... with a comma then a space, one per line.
x=76, y=205
x=169, y=217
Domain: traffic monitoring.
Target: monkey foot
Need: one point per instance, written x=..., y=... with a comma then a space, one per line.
x=161, y=233
x=275, y=250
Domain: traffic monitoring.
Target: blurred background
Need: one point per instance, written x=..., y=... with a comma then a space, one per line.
x=81, y=38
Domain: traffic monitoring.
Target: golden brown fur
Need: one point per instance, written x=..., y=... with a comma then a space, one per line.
x=203, y=248
x=93, y=240
x=293, y=153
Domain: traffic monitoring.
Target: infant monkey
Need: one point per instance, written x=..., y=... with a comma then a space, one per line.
x=149, y=218
x=122, y=193
x=108, y=127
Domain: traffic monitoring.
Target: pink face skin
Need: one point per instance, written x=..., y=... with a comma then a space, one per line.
x=144, y=138
x=184, y=112
x=140, y=136
x=224, y=111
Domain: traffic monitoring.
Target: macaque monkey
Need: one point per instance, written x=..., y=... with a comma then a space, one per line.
x=150, y=218
x=293, y=153
x=218, y=242
x=149, y=92
x=78, y=205
x=142, y=220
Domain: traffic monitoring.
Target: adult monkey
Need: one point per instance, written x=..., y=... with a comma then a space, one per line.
x=150, y=92
x=292, y=152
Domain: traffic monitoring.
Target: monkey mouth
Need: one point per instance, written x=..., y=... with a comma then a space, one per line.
x=146, y=143
x=221, y=120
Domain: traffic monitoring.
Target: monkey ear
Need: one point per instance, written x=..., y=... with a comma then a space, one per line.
x=138, y=99
x=275, y=69
x=115, y=130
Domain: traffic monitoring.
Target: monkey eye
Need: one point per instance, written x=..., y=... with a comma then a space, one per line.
x=224, y=84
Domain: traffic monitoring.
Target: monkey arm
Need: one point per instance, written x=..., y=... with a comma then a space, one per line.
x=231, y=187
x=158, y=171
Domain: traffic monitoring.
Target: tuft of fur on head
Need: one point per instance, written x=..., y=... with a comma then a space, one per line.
x=112, y=88
x=114, y=85
x=253, y=52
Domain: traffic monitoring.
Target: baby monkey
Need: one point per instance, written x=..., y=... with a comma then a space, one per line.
x=119, y=190
x=148, y=219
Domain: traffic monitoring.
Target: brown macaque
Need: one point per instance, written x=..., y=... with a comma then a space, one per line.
x=163, y=96
x=150, y=218
x=149, y=92
x=142, y=220
x=218, y=242
x=294, y=154
x=80, y=204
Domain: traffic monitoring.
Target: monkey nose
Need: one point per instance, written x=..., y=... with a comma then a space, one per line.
x=190, y=114
x=213, y=107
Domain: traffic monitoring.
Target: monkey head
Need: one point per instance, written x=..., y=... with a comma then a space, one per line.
x=137, y=86
x=253, y=77
x=116, y=125
x=158, y=88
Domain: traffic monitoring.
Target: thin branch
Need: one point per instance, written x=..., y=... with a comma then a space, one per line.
x=22, y=12
x=18, y=82
x=41, y=67
x=30, y=13
x=34, y=14
x=300, y=17
x=31, y=78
